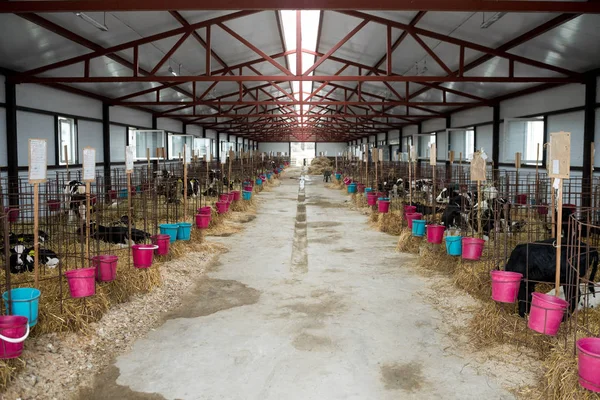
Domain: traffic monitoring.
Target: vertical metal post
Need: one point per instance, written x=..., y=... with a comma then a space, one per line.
x=106, y=146
x=12, y=154
x=496, y=141
x=589, y=126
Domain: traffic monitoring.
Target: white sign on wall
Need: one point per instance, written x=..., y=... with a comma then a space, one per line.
x=89, y=164
x=129, y=157
x=38, y=160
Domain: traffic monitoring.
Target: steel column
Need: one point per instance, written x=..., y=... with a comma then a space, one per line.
x=106, y=146
x=12, y=151
x=589, y=126
x=496, y=139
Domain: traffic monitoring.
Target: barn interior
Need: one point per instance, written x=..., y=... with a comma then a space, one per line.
x=297, y=200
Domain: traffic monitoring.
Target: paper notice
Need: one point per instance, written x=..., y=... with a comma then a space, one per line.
x=188, y=153
x=556, y=183
x=555, y=166
x=89, y=164
x=38, y=157
x=129, y=156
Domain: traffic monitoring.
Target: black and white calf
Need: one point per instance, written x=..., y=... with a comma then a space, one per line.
x=75, y=192
x=22, y=259
x=537, y=262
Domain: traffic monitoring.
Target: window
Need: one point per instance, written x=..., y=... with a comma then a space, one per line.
x=67, y=139
x=462, y=142
x=423, y=145
x=176, y=143
x=146, y=140
x=523, y=136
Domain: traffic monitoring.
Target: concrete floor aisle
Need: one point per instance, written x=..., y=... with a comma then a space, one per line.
x=309, y=303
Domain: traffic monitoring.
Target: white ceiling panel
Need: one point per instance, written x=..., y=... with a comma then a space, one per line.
x=574, y=45
x=25, y=46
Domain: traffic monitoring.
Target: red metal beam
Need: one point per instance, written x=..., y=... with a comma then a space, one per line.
x=295, y=102
x=540, y=29
x=459, y=42
x=255, y=49
x=431, y=53
x=336, y=46
x=109, y=51
x=397, y=5
x=169, y=53
x=288, y=78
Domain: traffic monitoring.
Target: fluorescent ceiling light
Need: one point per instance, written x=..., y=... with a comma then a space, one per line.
x=92, y=21
x=490, y=21
x=172, y=71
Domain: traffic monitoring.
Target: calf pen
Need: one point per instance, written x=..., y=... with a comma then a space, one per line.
x=528, y=209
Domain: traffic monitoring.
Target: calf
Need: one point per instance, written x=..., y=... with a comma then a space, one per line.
x=23, y=259
x=589, y=299
x=75, y=191
x=445, y=195
x=537, y=262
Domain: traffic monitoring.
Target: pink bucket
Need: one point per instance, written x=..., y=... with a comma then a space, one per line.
x=204, y=210
x=360, y=188
x=505, y=286
x=409, y=210
x=53, y=205
x=230, y=197
x=202, y=221
x=371, y=198
x=521, y=199
x=143, y=255
x=224, y=197
x=112, y=194
x=546, y=313
x=81, y=282
x=542, y=209
x=411, y=216
x=162, y=241
x=589, y=363
x=12, y=214
x=14, y=329
x=106, y=267
x=347, y=180
x=472, y=248
x=384, y=206
x=222, y=207
x=236, y=195
x=435, y=233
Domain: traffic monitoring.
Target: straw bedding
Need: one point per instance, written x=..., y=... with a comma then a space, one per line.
x=319, y=165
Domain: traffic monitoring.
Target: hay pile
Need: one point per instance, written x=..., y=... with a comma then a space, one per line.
x=407, y=243
x=433, y=258
x=391, y=223
x=319, y=165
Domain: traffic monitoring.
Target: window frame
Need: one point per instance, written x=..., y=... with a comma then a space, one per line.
x=132, y=141
x=510, y=158
x=73, y=145
x=449, y=142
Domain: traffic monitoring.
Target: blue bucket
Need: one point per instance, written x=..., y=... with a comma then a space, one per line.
x=269, y=175
x=383, y=199
x=123, y=193
x=351, y=188
x=280, y=166
x=25, y=302
x=246, y=195
x=170, y=229
x=259, y=181
x=338, y=176
x=184, y=231
x=418, y=227
x=367, y=190
x=454, y=245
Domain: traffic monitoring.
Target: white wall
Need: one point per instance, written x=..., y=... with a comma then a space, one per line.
x=118, y=141
x=194, y=130
x=596, y=137
x=170, y=125
x=433, y=125
x=49, y=99
x=571, y=122
x=211, y=134
x=380, y=136
x=130, y=116
x=89, y=133
x=394, y=134
x=472, y=116
x=332, y=148
x=484, y=138
x=34, y=126
x=283, y=147
x=559, y=98
x=441, y=144
x=410, y=130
